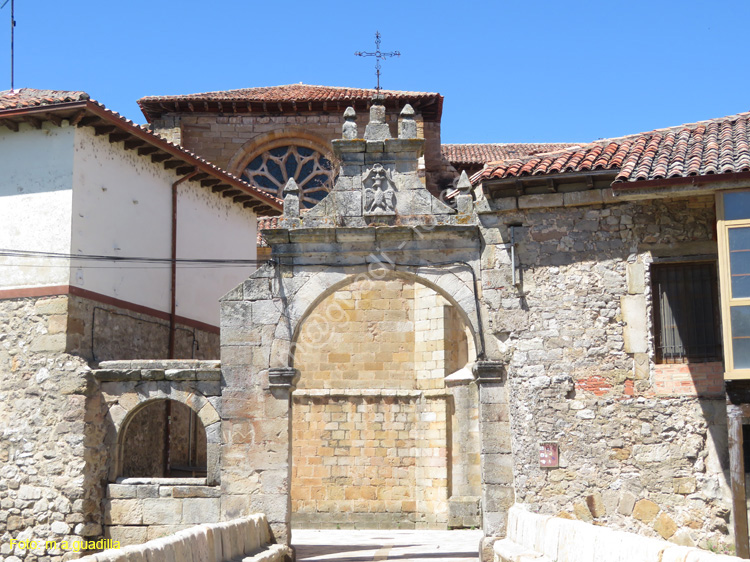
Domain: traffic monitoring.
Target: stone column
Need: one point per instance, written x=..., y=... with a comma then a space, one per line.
x=496, y=454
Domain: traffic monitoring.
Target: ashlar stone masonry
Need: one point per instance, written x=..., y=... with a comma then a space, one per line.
x=350, y=396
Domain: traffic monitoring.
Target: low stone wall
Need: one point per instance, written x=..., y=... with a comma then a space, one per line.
x=554, y=539
x=244, y=539
x=142, y=509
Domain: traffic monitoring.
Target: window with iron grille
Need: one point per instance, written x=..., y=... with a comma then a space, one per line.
x=686, y=312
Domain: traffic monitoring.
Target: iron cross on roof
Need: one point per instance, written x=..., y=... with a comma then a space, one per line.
x=378, y=57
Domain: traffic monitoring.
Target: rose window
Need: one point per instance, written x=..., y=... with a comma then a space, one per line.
x=311, y=170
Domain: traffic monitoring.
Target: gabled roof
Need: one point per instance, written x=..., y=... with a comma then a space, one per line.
x=463, y=154
x=32, y=107
x=290, y=98
x=716, y=146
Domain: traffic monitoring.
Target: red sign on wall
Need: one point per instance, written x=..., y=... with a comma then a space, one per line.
x=549, y=455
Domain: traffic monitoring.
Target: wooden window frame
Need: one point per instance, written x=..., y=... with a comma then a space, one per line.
x=725, y=284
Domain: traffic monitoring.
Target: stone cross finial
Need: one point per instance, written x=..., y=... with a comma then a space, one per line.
x=291, y=199
x=377, y=129
x=407, y=126
x=349, y=130
x=463, y=199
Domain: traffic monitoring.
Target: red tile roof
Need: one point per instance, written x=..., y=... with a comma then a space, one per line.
x=463, y=154
x=30, y=97
x=263, y=224
x=235, y=101
x=716, y=146
x=39, y=103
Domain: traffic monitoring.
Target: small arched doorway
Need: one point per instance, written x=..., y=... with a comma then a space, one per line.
x=163, y=439
x=373, y=420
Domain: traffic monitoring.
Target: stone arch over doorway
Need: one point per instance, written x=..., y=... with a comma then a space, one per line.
x=151, y=393
x=302, y=297
x=373, y=444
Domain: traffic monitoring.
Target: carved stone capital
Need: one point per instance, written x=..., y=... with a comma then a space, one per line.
x=489, y=371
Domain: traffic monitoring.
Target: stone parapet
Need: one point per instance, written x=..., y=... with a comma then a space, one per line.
x=246, y=539
x=141, y=509
x=553, y=539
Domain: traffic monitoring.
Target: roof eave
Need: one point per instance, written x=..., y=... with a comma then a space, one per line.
x=679, y=186
x=130, y=128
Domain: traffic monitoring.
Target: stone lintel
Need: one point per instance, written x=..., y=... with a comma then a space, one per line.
x=344, y=240
x=276, y=236
x=375, y=146
x=347, y=235
x=283, y=377
x=312, y=235
x=161, y=364
x=490, y=371
x=354, y=145
x=404, y=145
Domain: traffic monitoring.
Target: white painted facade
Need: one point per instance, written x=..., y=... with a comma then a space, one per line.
x=88, y=196
x=36, y=171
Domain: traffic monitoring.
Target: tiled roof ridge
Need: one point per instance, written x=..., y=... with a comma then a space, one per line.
x=178, y=147
x=280, y=86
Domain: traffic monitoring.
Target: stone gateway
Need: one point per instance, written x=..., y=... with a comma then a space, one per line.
x=563, y=332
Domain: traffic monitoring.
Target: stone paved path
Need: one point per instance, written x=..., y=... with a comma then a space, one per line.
x=379, y=546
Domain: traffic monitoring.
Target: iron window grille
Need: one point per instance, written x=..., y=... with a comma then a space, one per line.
x=686, y=312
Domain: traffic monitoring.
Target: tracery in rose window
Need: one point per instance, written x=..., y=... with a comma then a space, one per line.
x=312, y=171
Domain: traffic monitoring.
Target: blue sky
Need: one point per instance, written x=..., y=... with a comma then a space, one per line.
x=510, y=71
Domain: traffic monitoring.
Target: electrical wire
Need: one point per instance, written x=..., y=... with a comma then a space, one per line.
x=126, y=259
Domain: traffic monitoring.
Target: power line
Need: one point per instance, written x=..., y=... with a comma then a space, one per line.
x=128, y=259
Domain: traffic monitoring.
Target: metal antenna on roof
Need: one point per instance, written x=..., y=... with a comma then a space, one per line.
x=378, y=57
x=12, y=34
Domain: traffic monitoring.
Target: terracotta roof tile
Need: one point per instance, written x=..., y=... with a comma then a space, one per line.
x=237, y=100
x=717, y=146
x=265, y=223
x=467, y=154
x=30, y=97
x=291, y=92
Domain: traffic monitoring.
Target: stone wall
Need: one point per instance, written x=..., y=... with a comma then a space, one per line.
x=371, y=447
x=228, y=141
x=142, y=509
x=577, y=337
x=104, y=332
x=52, y=427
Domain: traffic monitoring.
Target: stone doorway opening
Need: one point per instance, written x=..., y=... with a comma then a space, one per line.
x=377, y=440
x=163, y=439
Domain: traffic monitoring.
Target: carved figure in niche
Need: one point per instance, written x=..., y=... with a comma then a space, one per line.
x=380, y=192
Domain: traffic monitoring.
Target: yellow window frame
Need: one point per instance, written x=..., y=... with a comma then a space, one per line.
x=728, y=302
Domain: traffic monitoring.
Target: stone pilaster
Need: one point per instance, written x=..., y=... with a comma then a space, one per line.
x=496, y=455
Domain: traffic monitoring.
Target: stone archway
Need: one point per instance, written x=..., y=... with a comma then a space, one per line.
x=416, y=238
x=373, y=420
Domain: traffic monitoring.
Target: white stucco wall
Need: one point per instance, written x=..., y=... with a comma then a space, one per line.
x=212, y=227
x=122, y=206
x=36, y=171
